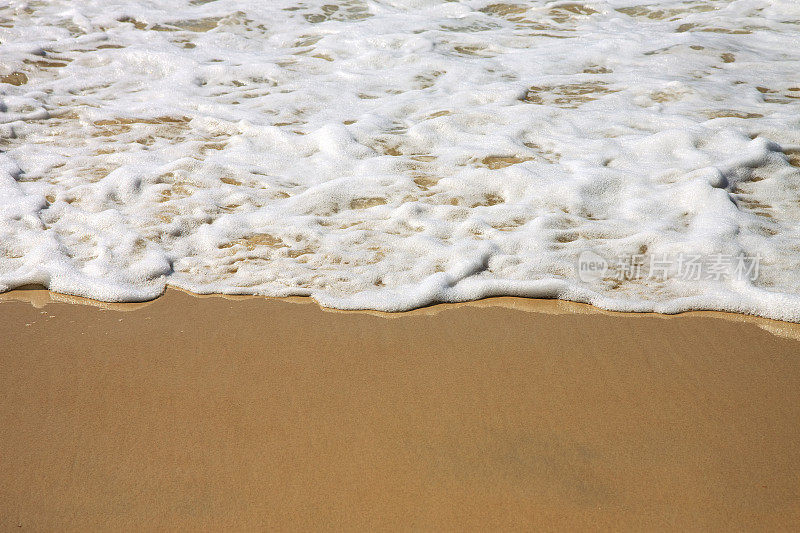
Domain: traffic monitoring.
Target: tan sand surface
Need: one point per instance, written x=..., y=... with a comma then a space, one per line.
x=252, y=413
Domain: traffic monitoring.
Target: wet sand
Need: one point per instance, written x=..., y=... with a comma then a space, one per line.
x=246, y=413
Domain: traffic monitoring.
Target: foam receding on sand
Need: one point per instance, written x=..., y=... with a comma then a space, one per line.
x=391, y=154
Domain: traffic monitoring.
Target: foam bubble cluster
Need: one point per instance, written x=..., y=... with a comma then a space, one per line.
x=389, y=154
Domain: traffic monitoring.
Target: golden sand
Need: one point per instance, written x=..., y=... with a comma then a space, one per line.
x=251, y=413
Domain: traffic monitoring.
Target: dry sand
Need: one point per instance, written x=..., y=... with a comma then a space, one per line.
x=254, y=413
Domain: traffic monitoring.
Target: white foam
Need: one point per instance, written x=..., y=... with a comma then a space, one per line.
x=389, y=154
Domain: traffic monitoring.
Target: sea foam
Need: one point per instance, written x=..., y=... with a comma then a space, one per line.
x=390, y=154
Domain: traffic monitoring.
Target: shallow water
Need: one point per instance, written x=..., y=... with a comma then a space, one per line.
x=390, y=154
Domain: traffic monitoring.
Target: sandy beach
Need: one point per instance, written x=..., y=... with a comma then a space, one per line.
x=251, y=413
x=391, y=155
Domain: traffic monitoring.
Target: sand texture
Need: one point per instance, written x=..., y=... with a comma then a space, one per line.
x=248, y=413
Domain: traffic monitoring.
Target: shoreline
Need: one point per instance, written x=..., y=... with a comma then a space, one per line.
x=39, y=296
x=246, y=412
